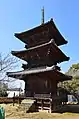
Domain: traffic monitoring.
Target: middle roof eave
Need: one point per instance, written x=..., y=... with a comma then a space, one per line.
x=50, y=47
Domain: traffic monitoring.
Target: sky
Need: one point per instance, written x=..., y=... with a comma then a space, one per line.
x=21, y=15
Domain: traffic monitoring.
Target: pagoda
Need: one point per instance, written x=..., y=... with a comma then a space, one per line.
x=42, y=54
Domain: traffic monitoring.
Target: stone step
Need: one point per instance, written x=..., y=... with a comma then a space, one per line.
x=27, y=105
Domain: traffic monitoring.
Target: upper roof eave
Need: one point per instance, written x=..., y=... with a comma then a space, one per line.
x=32, y=31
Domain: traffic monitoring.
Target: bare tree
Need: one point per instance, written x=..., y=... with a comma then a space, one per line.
x=7, y=63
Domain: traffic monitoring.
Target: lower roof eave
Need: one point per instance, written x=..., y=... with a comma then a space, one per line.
x=50, y=72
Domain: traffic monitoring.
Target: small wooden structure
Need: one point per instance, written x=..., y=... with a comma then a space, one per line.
x=41, y=73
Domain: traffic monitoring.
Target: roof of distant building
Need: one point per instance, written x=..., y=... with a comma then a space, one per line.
x=14, y=89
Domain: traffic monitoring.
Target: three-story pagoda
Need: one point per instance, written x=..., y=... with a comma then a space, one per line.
x=42, y=54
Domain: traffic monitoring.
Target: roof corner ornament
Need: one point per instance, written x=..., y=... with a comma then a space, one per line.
x=42, y=20
x=51, y=19
x=52, y=41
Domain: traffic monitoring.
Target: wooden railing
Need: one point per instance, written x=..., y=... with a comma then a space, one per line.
x=54, y=97
x=43, y=96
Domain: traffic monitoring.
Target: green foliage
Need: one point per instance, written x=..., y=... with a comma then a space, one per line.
x=3, y=89
x=3, y=94
x=75, y=66
x=72, y=86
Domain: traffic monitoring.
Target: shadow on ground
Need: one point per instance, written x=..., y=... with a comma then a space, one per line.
x=73, y=108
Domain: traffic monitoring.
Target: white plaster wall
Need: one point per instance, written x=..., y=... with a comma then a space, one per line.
x=11, y=93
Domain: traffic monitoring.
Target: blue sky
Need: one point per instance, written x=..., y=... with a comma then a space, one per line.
x=20, y=15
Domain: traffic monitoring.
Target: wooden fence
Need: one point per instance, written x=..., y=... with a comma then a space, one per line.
x=11, y=100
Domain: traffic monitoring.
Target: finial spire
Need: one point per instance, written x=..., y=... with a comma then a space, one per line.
x=42, y=22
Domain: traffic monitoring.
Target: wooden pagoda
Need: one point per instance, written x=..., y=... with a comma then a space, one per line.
x=41, y=73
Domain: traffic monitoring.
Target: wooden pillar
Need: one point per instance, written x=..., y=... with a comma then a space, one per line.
x=14, y=99
x=25, y=90
x=42, y=104
x=55, y=104
x=36, y=106
x=50, y=106
x=19, y=99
